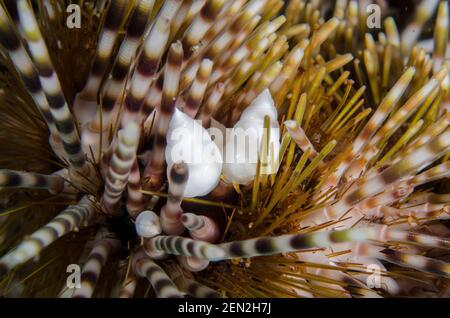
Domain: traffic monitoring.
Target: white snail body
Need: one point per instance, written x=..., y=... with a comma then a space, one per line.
x=189, y=142
x=147, y=224
x=241, y=157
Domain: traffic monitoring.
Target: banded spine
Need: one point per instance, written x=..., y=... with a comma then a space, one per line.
x=200, y=26
x=171, y=213
x=148, y=62
x=192, y=264
x=209, y=107
x=196, y=289
x=86, y=101
x=136, y=201
x=128, y=288
x=407, y=167
x=69, y=220
x=120, y=165
x=154, y=169
x=374, y=123
x=180, y=17
x=418, y=262
x=201, y=227
x=64, y=122
x=30, y=180
x=412, y=31
x=96, y=260
x=402, y=114
x=300, y=138
x=196, y=92
x=441, y=33
x=25, y=68
x=435, y=173
x=368, y=206
x=296, y=242
x=127, y=51
x=161, y=283
x=177, y=245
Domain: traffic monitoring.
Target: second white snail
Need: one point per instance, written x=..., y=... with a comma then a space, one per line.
x=244, y=141
x=189, y=142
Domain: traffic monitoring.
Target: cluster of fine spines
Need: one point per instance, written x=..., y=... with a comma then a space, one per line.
x=103, y=249
x=70, y=219
x=161, y=283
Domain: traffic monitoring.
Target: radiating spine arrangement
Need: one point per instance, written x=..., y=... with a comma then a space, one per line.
x=219, y=148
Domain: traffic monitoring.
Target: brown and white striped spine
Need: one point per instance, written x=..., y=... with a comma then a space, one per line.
x=407, y=167
x=30, y=180
x=85, y=105
x=201, y=227
x=192, y=264
x=411, y=33
x=155, y=169
x=300, y=138
x=129, y=287
x=438, y=172
x=432, y=131
x=64, y=122
x=403, y=113
x=418, y=262
x=196, y=289
x=200, y=25
x=177, y=245
x=163, y=286
x=171, y=213
x=103, y=249
x=25, y=68
x=69, y=220
x=120, y=166
x=152, y=101
x=441, y=33
x=180, y=18
x=210, y=106
x=296, y=242
x=194, y=97
x=136, y=201
x=148, y=62
x=373, y=124
x=222, y=41
x=114, y=86
x=369, y=207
